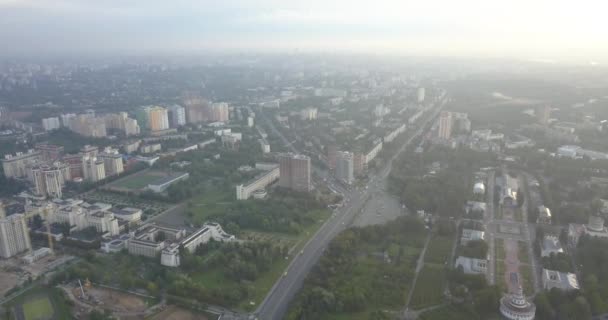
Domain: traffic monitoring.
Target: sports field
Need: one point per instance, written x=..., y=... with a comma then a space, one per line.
x=38, y=308
x=139, y=180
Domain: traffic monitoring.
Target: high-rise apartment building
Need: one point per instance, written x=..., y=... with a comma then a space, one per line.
x=93, y=169
x=49, y=180
x=66, y=119
x=74, y=163
x=153, y=118
x=16, y=166
x=49, y=152
x=86, y=125
x=445, y=125
x=14, y=236
x=89, y=151
x=309, y=113
x=543, y=114
x=332, y=153
x=295, y=172
x=421, y=94
x=219, y=112
x=345, y=166
x=121, y=121
x=158, y=118
x=112, y=161
x=197, y=109
x=51, y=123
x=177, y=115
x=359, y=163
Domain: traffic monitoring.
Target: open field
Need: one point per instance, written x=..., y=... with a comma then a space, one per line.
x=38, y=308
x=137, y=181
x=429, y=287
x=439, y=250
x=37, y=304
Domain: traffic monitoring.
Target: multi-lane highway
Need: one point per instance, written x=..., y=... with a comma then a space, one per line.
x=277, y=301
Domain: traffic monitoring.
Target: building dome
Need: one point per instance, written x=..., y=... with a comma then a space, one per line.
x=596, y=223
x=517, y=307
x=479, y=188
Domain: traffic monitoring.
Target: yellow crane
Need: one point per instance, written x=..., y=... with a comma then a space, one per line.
x=44, y=215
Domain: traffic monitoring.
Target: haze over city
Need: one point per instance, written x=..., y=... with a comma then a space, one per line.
x=543, y=29
x=303, y=160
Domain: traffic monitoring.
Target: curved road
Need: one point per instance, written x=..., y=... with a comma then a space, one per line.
x=277, y=301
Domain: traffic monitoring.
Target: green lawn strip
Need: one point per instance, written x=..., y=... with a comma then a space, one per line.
x=522, y=253
x=499, y=248
x=451, y=312
x=527, y=279
x=429, y=287
x=500, y=275
x=348, y=316
x=137, y=181
x=439, y=250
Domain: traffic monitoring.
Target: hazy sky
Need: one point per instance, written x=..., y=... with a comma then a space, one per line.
x=522, y=28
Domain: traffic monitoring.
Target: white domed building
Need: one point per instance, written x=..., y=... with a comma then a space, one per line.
x=479, y=188
x=517, y=307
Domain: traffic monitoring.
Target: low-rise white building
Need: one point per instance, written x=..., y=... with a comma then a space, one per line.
x=550, y=245
x=472, y=265
x=471, y=235
x=561, y=280
x=244, y=191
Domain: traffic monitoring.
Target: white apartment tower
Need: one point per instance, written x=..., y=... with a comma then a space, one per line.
x=345, y=167
x=93, y=169
x=445, y=125
x=14, y=236
x=421, y=94
x=177, y=115
x=112, y=161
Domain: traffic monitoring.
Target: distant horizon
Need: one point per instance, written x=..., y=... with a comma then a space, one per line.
x=519, y=29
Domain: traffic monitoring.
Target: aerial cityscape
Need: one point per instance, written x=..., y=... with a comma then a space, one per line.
x=335, y=175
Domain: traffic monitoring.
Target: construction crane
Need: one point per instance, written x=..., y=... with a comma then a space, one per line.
x=44, y=213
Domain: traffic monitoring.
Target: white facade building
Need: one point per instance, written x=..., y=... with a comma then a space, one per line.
x=177, y=115
x=244, y=191
x=51, y=123
x=14, y=236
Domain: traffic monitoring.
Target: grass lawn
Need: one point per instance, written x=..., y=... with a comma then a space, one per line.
x=439, y=250
x=137, y=181
x=210, y=204
x=451, y=312
x=39, y=302
x=429, y=287
x=38, y=308
x=522, y=253
x=500, y=275
x=499, y=248
x=527, y=279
